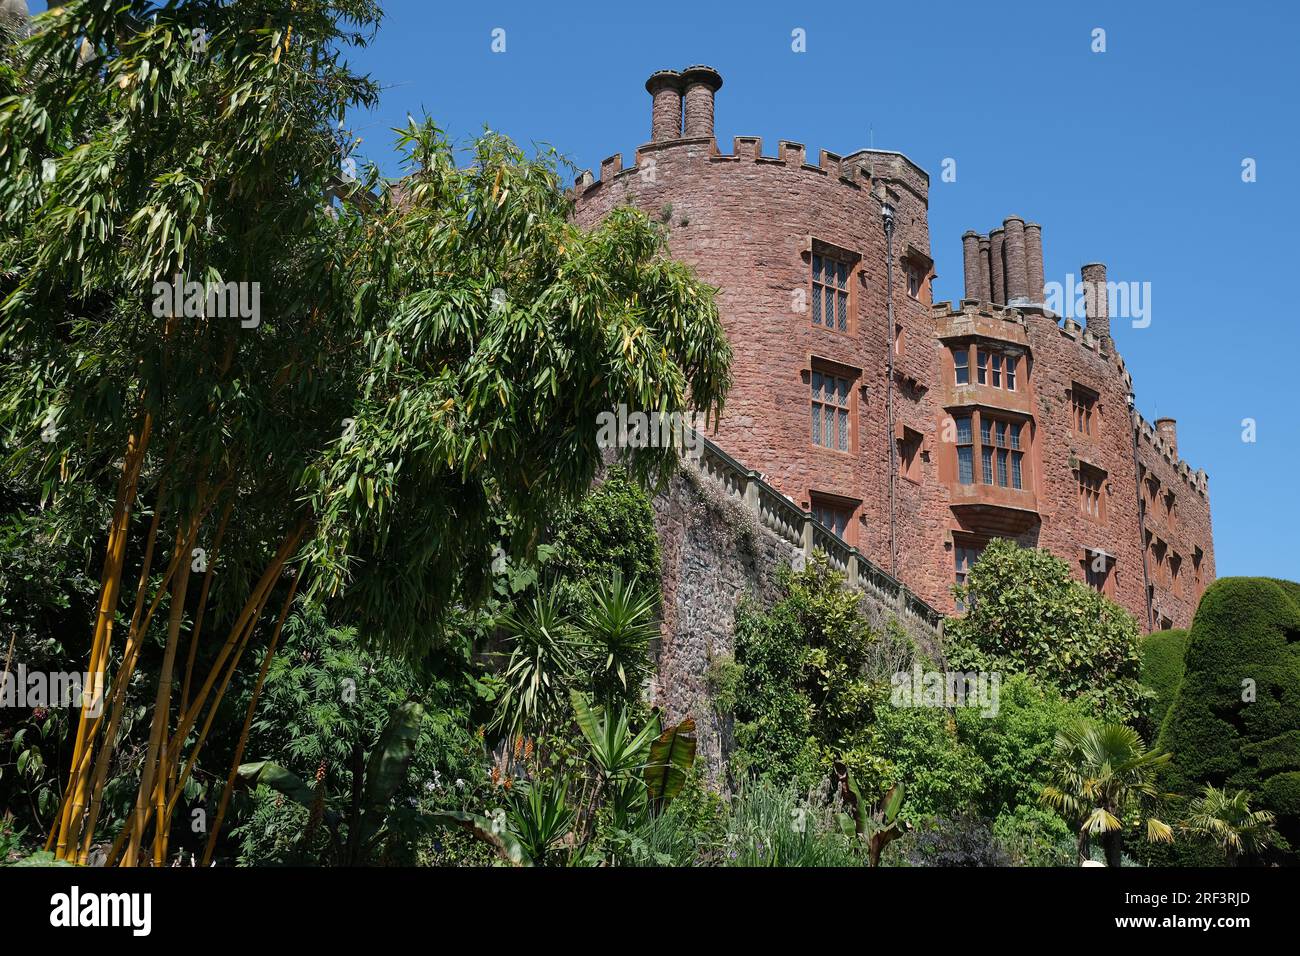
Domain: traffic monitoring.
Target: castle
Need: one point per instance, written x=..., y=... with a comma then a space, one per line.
x=916, y=431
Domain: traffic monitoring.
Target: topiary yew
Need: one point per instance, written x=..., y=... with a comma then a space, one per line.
x=1235, y=722
x=1163, y=655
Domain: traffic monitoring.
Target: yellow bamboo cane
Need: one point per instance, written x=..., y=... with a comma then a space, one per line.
x=243, y=733
x=101, y=640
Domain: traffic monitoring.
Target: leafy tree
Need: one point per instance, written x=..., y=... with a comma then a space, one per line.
x=426, y=356
x=1235, y=723
x=1103, y=780
x=1028, y=614
x=1226, y=820
x=920, y=748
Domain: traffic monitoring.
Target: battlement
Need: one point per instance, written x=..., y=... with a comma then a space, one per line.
x=682, y=115
x=1167, y=449
x=1020, y=315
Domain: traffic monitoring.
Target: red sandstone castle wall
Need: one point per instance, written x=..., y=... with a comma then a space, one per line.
x=749, y=223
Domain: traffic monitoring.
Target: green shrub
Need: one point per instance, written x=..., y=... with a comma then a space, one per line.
x=1162, y=672
x=1029, y=614
x=1036, y=836
x=808, y=683
x=1235, y=722
x=611, y=528
x=1012, y=747
x=941, y=776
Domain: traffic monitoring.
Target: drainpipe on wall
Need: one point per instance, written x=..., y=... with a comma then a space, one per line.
x=887, y=215
x=1131, y=400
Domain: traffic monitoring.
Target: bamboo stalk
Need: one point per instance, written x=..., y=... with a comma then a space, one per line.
x=162, y=702
x=101, y=639
x=287, y=547
x=132, y=833
x=203, y=603
x=207, y=724
x=120, y=681
x=248, y=723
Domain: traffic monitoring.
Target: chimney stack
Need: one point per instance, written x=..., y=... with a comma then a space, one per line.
x=1034, y=260
x=997, y=271
x=700, y=83
x=1096, y=305
x=665, y=88
x=1168, y=430
x=986, y=284
x=970, y=255
x=1017, y=278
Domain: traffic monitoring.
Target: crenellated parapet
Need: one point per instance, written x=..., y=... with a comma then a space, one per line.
x=682, y=121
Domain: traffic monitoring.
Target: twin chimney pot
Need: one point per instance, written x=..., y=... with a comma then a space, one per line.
x=1006, y=268
x=692, y=88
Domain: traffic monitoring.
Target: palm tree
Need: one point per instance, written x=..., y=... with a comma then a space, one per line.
x=1101, y=774
x=1226, y=820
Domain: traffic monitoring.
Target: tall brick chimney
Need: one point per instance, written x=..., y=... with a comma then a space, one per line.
x=1096, y=304
x=700, y=83
x=665, y=89
x=1017, y=268
x=1034, y=260
x=997, y=275
x=970, y=256
x=1168, y=430
x=986, y=284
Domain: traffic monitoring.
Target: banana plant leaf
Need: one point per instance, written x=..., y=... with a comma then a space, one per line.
x=502, y=840
x=672, y=754
x=268, y=773
x=389, y=764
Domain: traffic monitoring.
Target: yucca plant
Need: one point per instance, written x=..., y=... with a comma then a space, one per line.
x=539, y=817
x=1225, y=819
x=616, y=631
x=542, y=663
x=1102, y=776
x=618, y=755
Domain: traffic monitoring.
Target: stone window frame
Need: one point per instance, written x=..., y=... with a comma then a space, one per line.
x=1014, y=450
x=1093, y=479
x=1103, y=582
x=824, y=249
x=916, y=264
x=829, y=502
x=841, y=372
x=968, y=546
x=954, y=351
x=911, y=446
x=1085, y=411
x=997, y=367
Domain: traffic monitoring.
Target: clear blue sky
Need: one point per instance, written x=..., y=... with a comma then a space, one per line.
x=1131, y=157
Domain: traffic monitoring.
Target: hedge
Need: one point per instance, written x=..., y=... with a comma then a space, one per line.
x=1235, y=721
